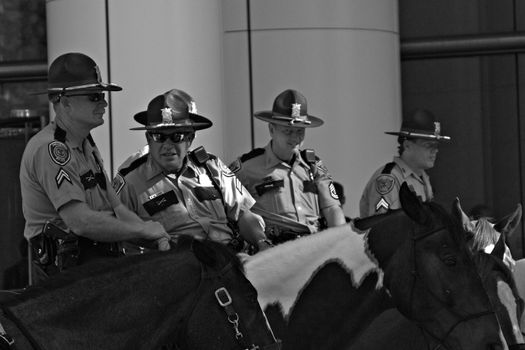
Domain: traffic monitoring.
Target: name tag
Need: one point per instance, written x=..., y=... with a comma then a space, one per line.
x=160, y=202
x=309, y=186
x=268, y=185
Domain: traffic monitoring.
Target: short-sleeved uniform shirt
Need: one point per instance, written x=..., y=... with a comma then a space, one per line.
x=382, y=190
x=187, y=204
x=298, y=191
x=55, y=171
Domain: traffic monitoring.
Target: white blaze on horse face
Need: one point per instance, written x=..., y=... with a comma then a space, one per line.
x=506, y=296
x=519, y=278
x=279, y=274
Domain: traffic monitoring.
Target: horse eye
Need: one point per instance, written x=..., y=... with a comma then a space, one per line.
x=449, y=300
x=447, y=257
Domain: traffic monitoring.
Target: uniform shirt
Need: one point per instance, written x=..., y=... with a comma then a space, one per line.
x=382, y=190
x=55, y=171
x=186, y=204
x=293, y=191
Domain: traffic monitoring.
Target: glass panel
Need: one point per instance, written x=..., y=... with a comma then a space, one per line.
x=23, y=30
x=419, y=19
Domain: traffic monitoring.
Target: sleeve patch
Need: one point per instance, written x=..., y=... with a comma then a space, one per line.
x=333, y=192
x=385, y=184
x=382, y=204
x=62, y=176
x=59, y=152
x=118, y=183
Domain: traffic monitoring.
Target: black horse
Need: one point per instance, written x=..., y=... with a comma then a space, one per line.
x=194, y=296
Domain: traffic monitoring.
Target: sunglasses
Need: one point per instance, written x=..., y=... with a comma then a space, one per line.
x=93, y=97
x=175, y=137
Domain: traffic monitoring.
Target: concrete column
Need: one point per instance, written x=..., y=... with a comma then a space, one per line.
x=147, y=47
x=343, y=55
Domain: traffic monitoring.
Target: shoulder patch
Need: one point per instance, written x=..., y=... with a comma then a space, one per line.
x=134, y=165
x=236, y=165
x=252, y=154
x=118, y=183
x=333, y=192
x=59, y=152
x=385, y=184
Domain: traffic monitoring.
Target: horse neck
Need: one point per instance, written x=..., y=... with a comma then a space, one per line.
x=281, y=273
x=132, y=297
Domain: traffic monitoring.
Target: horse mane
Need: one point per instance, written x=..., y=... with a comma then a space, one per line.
x=484, y=234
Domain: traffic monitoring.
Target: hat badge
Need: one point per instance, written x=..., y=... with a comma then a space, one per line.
x=296, y=115
x=166, y=115
x=97, y=72
x=437, y=128
x=193, y=107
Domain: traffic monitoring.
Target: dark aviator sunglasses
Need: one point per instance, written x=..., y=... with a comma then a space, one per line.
x=93, y=97
x=175, y=137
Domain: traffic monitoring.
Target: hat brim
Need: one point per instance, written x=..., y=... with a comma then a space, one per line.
x=198, y=122
x=268, y=116
x=415, y=135
x=83, y=88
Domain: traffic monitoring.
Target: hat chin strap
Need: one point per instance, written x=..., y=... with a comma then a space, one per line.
x=294, y=120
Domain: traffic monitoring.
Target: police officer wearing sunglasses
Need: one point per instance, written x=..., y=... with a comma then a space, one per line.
x=418, y=143
x=189, y=192
x=66, y=195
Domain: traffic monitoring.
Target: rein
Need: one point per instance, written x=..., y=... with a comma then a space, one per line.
x=441, y=341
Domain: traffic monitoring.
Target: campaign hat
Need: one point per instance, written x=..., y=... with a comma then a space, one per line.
x=420, y=124
x=290, y=108
x=174, y=109
x=75, y=72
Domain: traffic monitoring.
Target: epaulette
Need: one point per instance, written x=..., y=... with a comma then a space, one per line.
x=60, y=134
x=252, y=154
x=388, y=168
x=134, y=165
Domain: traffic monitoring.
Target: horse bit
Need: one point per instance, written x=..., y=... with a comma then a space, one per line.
x=441, y=341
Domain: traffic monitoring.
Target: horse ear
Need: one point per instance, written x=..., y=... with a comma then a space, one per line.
x=412, y=205
x=499, y=248
x=205, y=253
x=460, y=215
x=507, y=226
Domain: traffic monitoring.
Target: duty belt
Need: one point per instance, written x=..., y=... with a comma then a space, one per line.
x=280, y=235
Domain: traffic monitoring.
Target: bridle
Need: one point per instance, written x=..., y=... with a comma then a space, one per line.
x=441, y=341
x=225, y=301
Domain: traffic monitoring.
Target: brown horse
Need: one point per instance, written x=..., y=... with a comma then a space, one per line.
x=194, y=296
x=323, y=291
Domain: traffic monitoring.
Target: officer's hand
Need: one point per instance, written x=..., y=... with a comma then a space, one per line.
x=154, y=230
x=163, y=244
x=263, y=244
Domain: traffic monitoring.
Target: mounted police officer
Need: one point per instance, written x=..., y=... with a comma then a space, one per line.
x=66, y=194
x=418, y=143
x=294, y=191
x=189, y=192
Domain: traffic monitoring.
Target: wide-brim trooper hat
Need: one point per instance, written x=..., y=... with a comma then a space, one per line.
x=75, y=72
x=171, y=110
x=290, y=109
x=421, y=124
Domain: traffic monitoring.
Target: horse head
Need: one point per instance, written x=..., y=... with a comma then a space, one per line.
x=430, y=274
